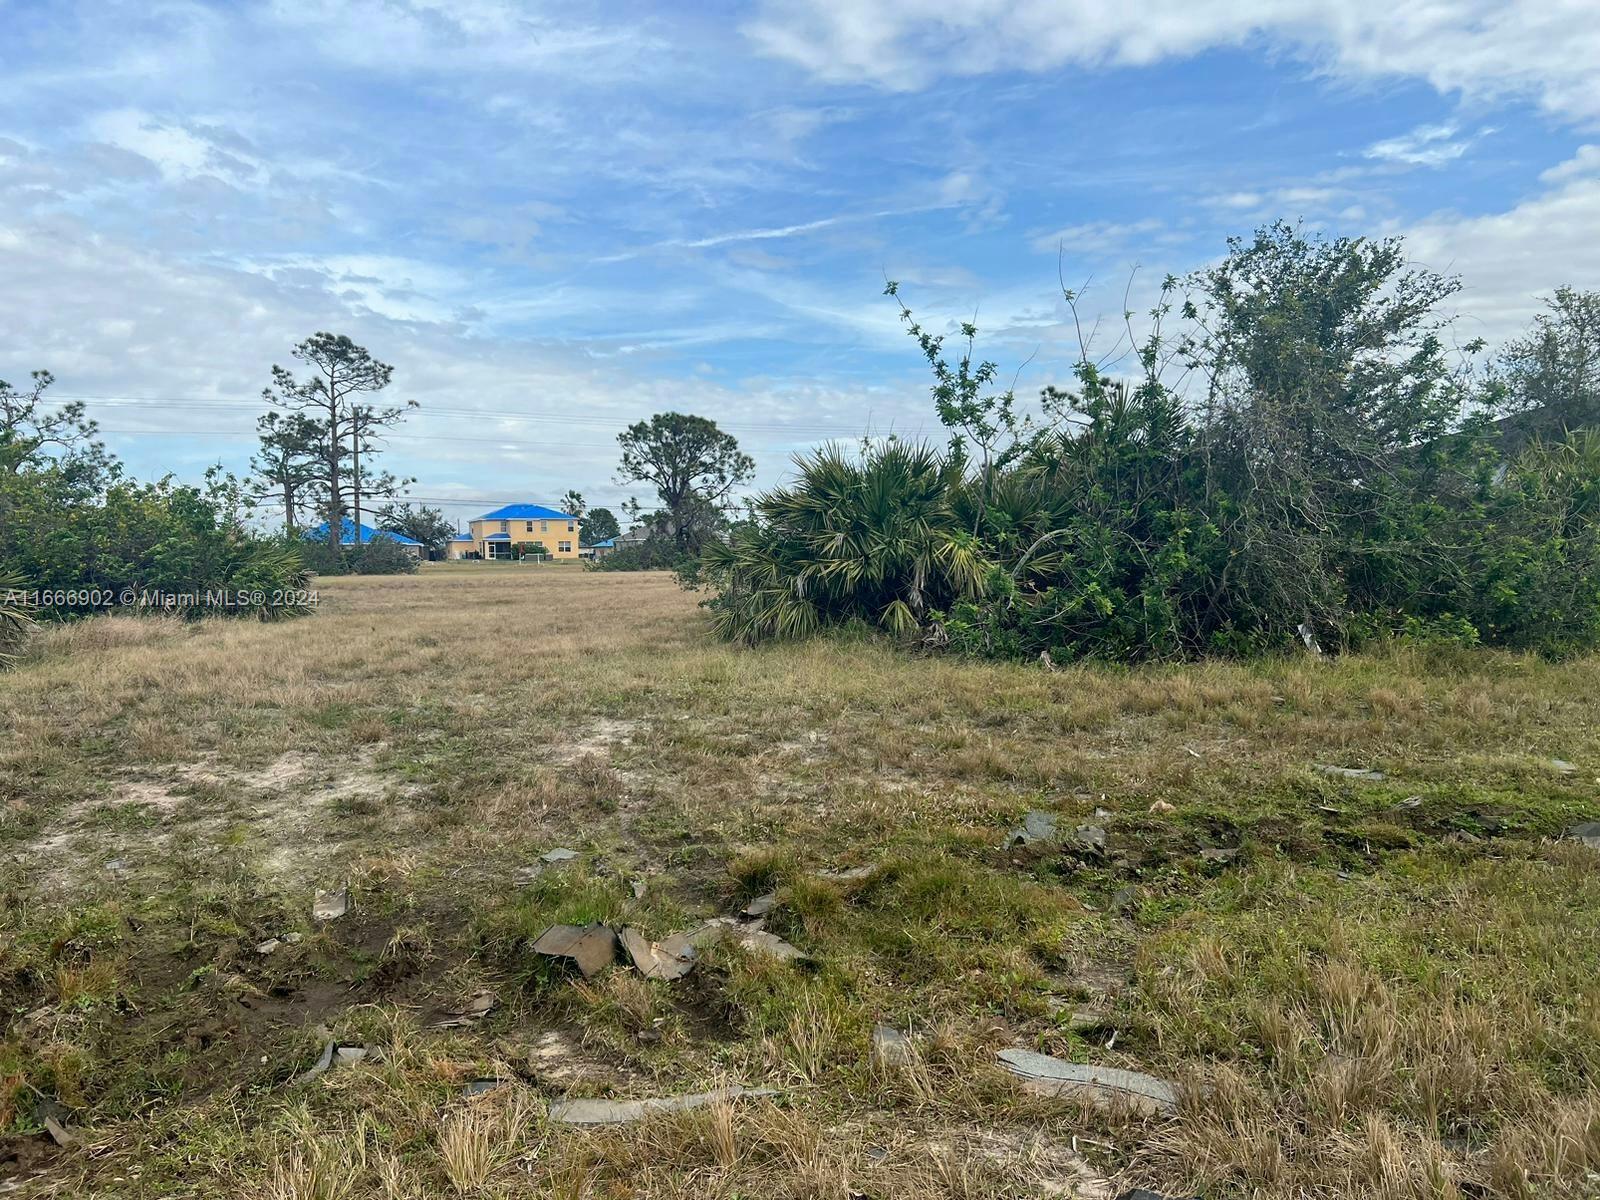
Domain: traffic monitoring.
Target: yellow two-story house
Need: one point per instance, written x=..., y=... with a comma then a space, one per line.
x=514, y=531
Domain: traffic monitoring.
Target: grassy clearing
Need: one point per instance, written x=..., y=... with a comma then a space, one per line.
x=1388, y=991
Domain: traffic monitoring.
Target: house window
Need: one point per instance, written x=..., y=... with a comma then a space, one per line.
x=572, y=526
x=566, y=547
x=544, y=526
x=505, y=526
x=530, y=526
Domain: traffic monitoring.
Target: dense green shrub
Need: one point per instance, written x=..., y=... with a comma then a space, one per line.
x=1326, y=486
x=382, y=556
x=143, y=544
x=655, y=553
x=1534, y=567
x=88, y=539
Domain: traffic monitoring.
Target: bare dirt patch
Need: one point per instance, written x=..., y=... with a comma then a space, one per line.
x=595, y=739
x=284, y=815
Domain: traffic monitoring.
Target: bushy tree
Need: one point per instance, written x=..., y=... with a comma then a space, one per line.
x=72, y=522
x=1329, y=395
x=382, y=556
x=145, y=538
x=692, y=465
x=34, y=437
x=1552, y=373
x=1532, y=555
x=598, y=525
x=417, y=522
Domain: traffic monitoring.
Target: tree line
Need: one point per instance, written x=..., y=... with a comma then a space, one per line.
x=78, y=533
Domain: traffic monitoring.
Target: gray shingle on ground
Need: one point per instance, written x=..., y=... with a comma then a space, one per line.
x=1105, y=1086
x=620, y=1112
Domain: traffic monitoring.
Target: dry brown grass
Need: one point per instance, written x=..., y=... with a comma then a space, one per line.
x=1367, y=1003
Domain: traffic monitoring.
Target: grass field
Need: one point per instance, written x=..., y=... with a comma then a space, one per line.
x=1391, y=990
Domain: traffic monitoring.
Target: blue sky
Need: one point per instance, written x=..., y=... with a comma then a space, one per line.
x=554, y=220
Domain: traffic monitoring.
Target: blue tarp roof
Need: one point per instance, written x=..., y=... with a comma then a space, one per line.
x=608, y=544
x=526, y=512
x=347, y=534
x=498, y=537
x=462, y=537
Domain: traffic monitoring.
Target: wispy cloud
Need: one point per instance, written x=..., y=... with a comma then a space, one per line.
x=1424, y=146
x=773, y=233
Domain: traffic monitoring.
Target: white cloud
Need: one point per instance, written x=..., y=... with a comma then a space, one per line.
x=1585, y=162
x=179, y=153
x=1507, y=260
x=1544, y=49
x=213, y=329
x=1424, y=146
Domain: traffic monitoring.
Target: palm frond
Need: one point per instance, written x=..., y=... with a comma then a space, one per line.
x=16, y=616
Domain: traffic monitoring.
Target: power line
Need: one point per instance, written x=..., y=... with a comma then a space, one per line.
x=227, y=404
x=411, y=437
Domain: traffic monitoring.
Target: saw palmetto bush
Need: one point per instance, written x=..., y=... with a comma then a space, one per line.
x=876, y=538
x=15, y=618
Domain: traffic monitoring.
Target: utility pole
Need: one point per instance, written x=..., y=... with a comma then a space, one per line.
x=355, y=467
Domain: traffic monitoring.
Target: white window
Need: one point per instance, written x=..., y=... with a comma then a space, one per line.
x=544, y=526
x=530, y=526
x=572, y=526
x=566, y=547
x=505, y=526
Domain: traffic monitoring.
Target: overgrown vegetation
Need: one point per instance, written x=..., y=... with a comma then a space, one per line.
x=83, y=537
x=419, y=522
x=380, y=556
x=1302, y=461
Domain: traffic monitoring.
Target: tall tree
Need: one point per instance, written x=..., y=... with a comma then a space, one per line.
x=36, y=439
x=30, y=432
x=339, y=374
x=572, y=503
x=366, y=431
x=598, y=526
x=692, y=465
x=285, y=466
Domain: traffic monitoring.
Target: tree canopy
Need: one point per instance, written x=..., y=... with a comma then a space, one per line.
x=418, y=522
x=598, y=525
x=693, y=467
